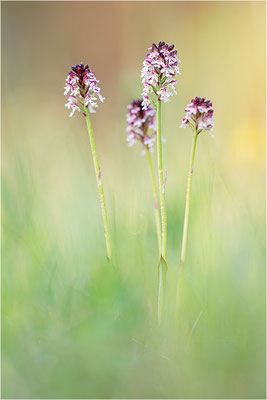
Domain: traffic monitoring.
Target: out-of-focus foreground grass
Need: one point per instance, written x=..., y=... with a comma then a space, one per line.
x=72, y=326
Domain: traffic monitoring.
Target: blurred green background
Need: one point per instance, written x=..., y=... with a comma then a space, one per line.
x=72, y=327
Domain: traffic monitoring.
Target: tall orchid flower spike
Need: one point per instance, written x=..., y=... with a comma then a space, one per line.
x=199, y=117
x=139, y=122
x=83, y=94
x=158, y=77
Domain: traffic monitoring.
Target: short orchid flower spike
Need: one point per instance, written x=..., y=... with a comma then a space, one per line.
x=139, y=121
x=199, y=116
x=159, y=69
x=82, y=89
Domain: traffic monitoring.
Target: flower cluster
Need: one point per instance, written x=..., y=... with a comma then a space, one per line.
x=199, y=115
x=82, y=89
x=138, y=123
x=158, y=72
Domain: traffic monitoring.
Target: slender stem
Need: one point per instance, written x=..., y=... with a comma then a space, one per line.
x=187, y=202
x=162, y=262
x=162, y=274
x=161, y=185
x=99, y=183
x=155, y=198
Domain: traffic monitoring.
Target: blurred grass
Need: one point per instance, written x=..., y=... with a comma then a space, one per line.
x=72, y=327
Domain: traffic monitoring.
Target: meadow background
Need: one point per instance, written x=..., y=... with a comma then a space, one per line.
x=72, y=327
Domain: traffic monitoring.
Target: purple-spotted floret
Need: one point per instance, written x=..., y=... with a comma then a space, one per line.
x=199, y=116
x=139, y=121
x=82, y=89
x=159, y=69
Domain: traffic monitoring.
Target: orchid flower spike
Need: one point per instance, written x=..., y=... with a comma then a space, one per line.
x=158, y=73
x=199, y=116
x=82, y=89
x=139, y=121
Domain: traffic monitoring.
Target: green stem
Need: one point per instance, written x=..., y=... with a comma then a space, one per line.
x=99, y=183
x=155, y=198
x=162, y=262
x=162, y=276
x=187, y=202
x=161, y=185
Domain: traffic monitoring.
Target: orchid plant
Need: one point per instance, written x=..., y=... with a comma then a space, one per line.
x=199, y=117
x=83, y=94
x=139, y=122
